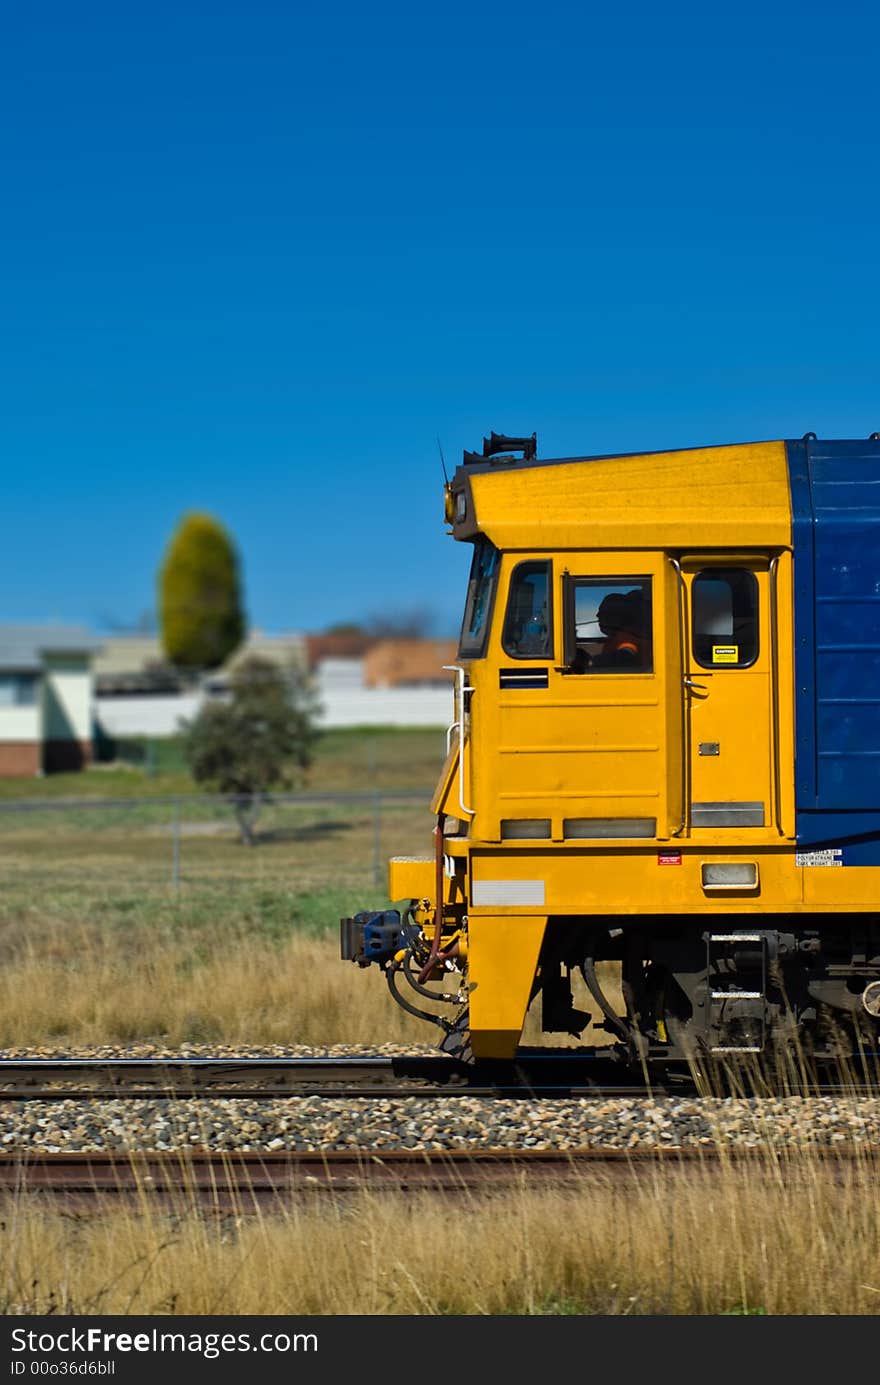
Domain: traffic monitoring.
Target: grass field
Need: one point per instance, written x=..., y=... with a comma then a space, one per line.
x=98, y=945
x=149, y=922
x=768, y=1238
x=250, y=966
x=145, y=845
x=93, y=958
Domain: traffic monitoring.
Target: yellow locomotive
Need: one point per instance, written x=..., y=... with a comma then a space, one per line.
x=665, y=754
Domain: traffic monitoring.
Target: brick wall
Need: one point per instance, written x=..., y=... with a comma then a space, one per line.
x=18, y=758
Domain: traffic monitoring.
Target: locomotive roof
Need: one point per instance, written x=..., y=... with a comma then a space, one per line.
x=701, y=497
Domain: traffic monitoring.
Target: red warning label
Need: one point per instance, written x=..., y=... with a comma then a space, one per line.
x=669, y=858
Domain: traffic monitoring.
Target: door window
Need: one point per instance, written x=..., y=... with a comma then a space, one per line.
x=725, y=618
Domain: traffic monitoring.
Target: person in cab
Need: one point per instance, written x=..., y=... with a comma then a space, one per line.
x=624, y=621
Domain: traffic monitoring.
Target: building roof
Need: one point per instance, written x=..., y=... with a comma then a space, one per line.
x=138, y=663
x=122, y=654
x=341, y=644
x=134, y=654
x=286, y=649
x=23, y=647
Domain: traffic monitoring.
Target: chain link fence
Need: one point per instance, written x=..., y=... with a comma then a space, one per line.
x=159, y=845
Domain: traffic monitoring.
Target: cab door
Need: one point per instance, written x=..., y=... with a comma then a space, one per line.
x=581, y=726
x=728, y=690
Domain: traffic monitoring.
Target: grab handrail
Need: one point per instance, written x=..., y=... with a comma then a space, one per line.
x=680, y=603
x=461, y=687
x=774, y=684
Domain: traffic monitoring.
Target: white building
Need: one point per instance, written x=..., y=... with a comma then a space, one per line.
x=45, y=698
x=346, y=700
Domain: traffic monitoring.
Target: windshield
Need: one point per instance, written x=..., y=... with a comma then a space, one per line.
x=480, y=595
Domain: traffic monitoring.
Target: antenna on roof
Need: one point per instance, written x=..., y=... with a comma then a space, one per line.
x=442, y=462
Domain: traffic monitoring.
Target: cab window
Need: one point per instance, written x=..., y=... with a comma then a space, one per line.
x=725, y=617
x=480, y=596
x=608, y=625
x=528, y=626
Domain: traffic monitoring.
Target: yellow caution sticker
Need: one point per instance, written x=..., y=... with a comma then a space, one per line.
x=725, y=654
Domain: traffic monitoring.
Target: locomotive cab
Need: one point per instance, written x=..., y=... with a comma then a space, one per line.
x=653, y=759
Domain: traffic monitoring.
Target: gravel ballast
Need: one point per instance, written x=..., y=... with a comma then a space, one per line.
x=435, y=1123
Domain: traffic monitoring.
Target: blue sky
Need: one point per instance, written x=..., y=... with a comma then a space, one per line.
x=257, y=257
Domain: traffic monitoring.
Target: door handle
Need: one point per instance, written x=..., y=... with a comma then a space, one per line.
x=694, y=687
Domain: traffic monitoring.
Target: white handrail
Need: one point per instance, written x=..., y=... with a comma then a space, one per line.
x=461, y=687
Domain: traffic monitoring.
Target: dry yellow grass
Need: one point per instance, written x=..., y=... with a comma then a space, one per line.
x=70, y=983
x=97, y=946
x=784, y=1238
x=244, y=992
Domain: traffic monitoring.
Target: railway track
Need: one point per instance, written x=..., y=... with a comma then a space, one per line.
x=533, y=1075
x=359, y=1076
x=246, y=1181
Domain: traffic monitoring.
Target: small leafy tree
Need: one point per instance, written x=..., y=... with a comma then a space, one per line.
x=200, y=607
x=260, y=739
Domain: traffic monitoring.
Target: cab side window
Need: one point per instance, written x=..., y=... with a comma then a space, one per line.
x=608, y=625
x=528, y=623
x=725, y=617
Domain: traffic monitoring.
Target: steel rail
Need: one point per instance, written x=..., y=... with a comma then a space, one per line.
x=369, y=1075
x=532, y=1075
x=244, y=1180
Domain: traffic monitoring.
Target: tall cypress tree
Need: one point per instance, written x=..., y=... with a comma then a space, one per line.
x=200, y=606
